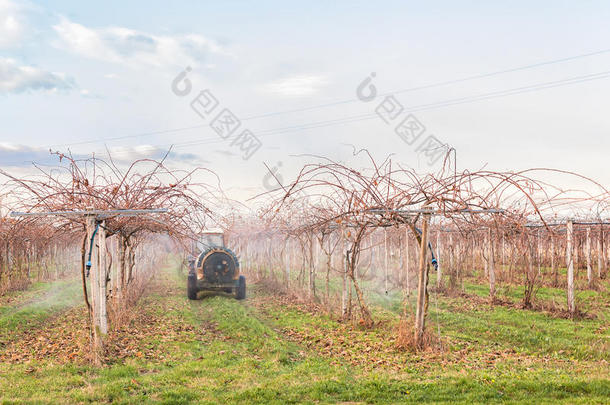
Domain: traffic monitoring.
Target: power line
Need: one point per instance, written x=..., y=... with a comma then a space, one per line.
x=440, y=104
x=437, y=84
x=351, y=100
x=133, y=136
x=421, y=107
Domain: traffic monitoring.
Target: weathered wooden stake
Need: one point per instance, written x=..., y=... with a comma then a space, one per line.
x=570, y=262
x=312, y=286
x=439, y=272
x=401, y=261
x=407, y=259
x=491, y=266
x=385, y=258
x=588, y=257
x=287, y=263
x=600, y=252
x=102, y=277
x=96, y=339
x=452, y=268
x=422, y=285
x=344, y=291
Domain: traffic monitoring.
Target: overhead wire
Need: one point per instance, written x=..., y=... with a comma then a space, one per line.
x=340, y=120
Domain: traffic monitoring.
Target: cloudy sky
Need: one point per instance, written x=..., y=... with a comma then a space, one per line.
x=513, y=86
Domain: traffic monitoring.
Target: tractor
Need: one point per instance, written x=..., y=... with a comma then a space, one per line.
x=214, y=267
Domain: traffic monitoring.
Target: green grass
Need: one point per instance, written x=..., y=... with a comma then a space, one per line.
x=40, y=302
x=236, y=352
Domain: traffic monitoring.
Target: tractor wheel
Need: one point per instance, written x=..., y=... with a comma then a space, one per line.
x=241, y=288
x=191, y=286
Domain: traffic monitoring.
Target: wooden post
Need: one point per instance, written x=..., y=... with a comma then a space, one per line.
x=270, y=258
x=401, y=260
x=93, y=287
x=312, y=287
x=344, y=285
x=96, y=340
x=120, y=281
x=439, y=272
x=588, y=257
x=385, y=258
x=484, y=249
x=473, y=255
x=27, y=258
x=570, y=263
x=422, y=285
x=600, y=252
x=407, y=260
x=491, y=265
x=538, y=252
x=287, y=263
x=452, y=267
x=102, y=277
x=54, y=258
x=553, y=264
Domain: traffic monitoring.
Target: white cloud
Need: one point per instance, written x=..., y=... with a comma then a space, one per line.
x=11, y=24
x=127, y=154
x=134, y=48
x=16, y=155
x=15, y=78
x=24, y=156
x=300, y=85
x=86, y=93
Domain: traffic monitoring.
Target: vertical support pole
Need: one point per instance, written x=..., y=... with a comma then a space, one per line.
x=102, y=277
x=385, y=258
x=492, y=270
x=473, y=255
x=270, y=258
x=120, y=280
x=439, y=262
x=570, y=263
x=27, y=258
x=600, y=252
x=538, y=252
x=96, y=339
x=287, y=263
x=588, y=257
x=55, y=263
x=407, y=260
x=345, y=267
x=422, y=285
x=312, y=291
x=484, y=249
x=93, y=287
x=553, y=264
x=401, y=260
x=452, y=268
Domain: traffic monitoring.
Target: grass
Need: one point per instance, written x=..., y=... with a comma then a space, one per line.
x=42, y=301
x=269, y=350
